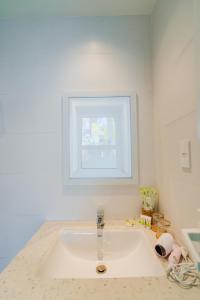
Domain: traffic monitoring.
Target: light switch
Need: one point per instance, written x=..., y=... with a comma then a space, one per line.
x=185, y=154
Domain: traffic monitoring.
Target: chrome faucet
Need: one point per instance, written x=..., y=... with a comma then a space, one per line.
x=100, y=219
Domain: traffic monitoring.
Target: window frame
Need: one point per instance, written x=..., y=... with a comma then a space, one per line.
x=66, y=139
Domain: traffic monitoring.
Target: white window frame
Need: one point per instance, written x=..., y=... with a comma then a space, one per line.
x=66, y=139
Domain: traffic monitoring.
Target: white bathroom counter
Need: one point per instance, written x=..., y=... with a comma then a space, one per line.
x=20, y=280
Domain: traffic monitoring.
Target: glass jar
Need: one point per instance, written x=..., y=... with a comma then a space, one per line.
x=162, y=227
x=155, y=220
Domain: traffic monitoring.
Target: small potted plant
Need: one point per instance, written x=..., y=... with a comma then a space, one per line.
x=149, y=199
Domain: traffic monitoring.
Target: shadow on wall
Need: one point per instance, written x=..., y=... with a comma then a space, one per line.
x=170, y=10
x=2, y=121
x=16, y=230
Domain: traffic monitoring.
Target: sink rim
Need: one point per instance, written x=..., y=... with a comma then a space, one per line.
x=192, y=251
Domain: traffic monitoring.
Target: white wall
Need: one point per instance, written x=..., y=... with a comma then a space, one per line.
x=39, y=59
x=175, y=110
x=197, y=40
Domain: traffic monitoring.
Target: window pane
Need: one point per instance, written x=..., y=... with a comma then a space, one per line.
x=98, y=131
x=99, y=159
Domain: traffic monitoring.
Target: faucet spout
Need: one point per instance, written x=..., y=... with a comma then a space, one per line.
x=100, y=219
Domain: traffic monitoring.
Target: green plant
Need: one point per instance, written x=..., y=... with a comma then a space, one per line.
x=149, y=197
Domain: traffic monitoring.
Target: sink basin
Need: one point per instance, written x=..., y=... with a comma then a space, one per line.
x=77, y=253
x=192, y=241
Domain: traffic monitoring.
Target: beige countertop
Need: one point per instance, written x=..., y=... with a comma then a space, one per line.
x=19, y=281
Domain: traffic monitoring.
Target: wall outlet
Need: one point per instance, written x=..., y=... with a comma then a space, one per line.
x=185, y=154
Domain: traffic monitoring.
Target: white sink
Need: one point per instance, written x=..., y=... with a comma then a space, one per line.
x=192, y=241
x=125, y=253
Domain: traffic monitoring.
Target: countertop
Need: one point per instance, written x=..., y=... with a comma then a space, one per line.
x=19, y=281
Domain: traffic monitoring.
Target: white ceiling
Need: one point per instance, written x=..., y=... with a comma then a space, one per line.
x=41, y=8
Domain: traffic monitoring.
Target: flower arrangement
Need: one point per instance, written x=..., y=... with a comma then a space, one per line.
x=149, y=198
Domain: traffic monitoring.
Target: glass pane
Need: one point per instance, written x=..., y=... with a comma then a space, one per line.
x=99, y=159
x=98, y=131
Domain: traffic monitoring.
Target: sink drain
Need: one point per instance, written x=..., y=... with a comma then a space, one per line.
x=100, y=269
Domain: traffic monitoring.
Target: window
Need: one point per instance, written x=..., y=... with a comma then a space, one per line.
x=100, y=139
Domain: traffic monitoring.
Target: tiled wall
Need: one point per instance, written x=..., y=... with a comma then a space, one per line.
x=175, y=110
x=39, y=60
